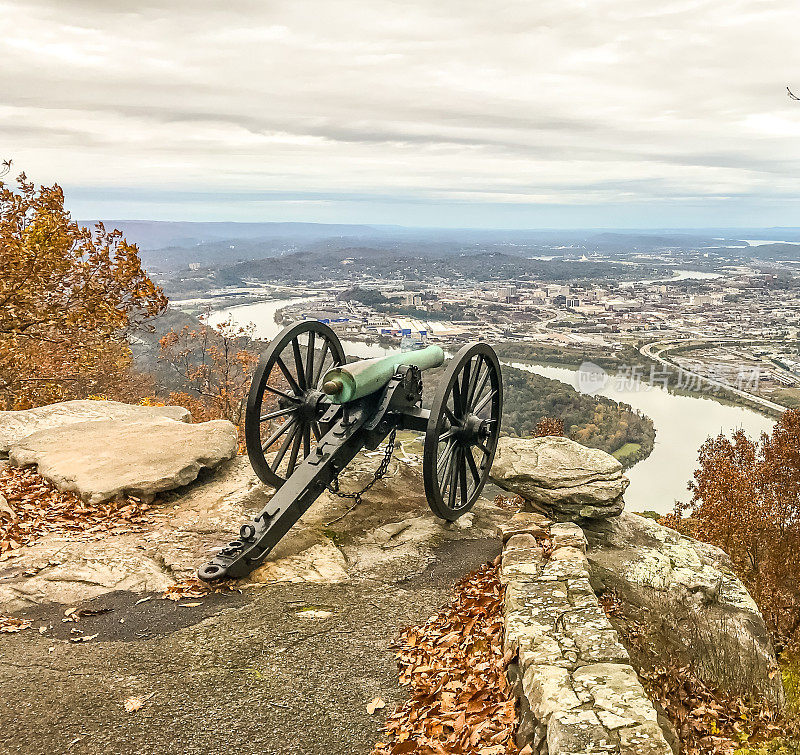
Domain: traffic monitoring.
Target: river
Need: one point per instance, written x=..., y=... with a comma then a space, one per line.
x=682, y=422
x=680, y=275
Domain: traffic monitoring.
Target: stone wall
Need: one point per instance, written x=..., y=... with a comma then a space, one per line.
x=578, y=692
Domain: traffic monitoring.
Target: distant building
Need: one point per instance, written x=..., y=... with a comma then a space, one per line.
x=696, y=300
x=555, y=290
x=508, y=292
x=411, y=299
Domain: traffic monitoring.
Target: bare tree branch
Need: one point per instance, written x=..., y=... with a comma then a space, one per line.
x=792, y=95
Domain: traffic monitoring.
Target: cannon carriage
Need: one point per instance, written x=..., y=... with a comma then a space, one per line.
x=309, y=412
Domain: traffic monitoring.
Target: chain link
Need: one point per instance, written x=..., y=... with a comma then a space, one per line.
x=380, y=473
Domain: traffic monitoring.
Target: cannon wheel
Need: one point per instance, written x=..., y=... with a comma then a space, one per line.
x=462, y=432
x=285, y=402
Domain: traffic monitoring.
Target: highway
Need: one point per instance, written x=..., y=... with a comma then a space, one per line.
x=649, y=351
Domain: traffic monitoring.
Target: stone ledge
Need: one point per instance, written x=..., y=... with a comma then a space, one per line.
x=578, y=692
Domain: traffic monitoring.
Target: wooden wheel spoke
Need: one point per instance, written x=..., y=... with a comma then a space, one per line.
x=279, y=413
x=310, y=360
x=485, y=400
x=448, y=467
x=306, y=440
x=449, y=433
x=318, y=372
x=473, y=380
x=479, y=387
x=462, y=474
x=298, y=439
x=447, y=454
x=277, y=434
x=473, y=468
x=451, y=498
x=464, y=387
x=452, y=417
x=279, y=392
x=276, y=462
x=482, y=447
x=298, y=364
x=288, y=375
x=315, y=428
x=458, y=408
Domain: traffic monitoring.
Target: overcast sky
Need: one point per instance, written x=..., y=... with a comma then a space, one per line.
x=542, y=113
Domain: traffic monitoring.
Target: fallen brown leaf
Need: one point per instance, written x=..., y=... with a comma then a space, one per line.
x=374, y=705
x=132, y=704
x=83, y=638
x=9, y=624
x=34, y=508
x=193, y=588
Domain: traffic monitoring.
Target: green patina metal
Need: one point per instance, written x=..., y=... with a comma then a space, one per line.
x=353, y=381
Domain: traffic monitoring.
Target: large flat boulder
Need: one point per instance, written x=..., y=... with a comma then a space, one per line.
x=14, y=426
x=686, y=598
x=571, y=481
x=62, y=570
x=106, y=459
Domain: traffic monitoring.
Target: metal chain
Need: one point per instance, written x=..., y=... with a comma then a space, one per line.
x=380, y=472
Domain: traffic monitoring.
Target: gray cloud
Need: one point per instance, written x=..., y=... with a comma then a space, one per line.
x=557, y=102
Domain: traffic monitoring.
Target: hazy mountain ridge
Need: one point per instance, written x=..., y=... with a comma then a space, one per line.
x=175, y=245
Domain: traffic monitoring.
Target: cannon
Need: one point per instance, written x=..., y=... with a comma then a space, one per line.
x=309, y=412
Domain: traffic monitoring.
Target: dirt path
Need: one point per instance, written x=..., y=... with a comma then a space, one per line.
x=254, y=673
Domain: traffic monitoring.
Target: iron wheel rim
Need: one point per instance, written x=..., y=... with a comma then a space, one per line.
x=289, y=373
x=463, y=431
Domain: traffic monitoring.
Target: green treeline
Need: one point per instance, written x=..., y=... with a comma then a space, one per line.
x=594, y=421
x=571, y=356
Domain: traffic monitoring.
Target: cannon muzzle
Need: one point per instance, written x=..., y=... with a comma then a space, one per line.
x=357, y=379
x=332, y=387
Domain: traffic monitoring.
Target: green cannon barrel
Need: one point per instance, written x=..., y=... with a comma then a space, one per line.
x=352, y=381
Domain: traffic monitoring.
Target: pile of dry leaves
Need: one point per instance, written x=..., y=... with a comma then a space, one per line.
x=194, y=588
x=10, y=624
x=707, y=723
x=31, y=507
x=460, y=701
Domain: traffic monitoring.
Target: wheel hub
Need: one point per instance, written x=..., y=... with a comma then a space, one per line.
x=473, y=429
x=308, y=408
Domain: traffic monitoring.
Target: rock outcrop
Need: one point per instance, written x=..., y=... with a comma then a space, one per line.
x=686, y=596
x=105, y=459
x=567, y=479
x=16, y=425
x=64, y=570
x=390, y=536
x=684, y=593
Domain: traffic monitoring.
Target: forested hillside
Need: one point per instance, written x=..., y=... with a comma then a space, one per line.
x=594, y=421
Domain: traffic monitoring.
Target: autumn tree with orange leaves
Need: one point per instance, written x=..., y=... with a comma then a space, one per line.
x=548, y=426
x=746, y=500
x=215, y=366
x=68, y=295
